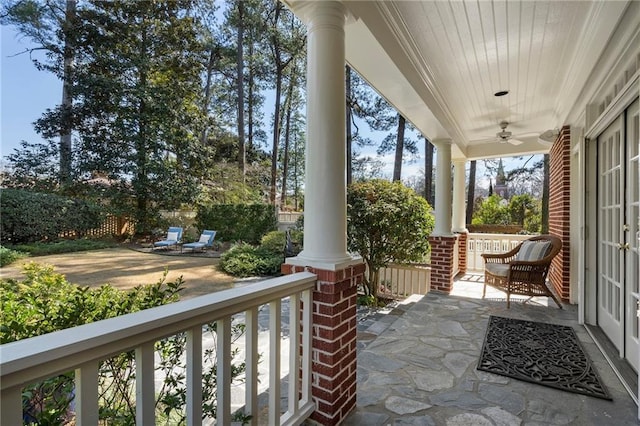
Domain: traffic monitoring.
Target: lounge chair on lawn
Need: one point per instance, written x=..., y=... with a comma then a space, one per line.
x=205, y=241
x=174, y=237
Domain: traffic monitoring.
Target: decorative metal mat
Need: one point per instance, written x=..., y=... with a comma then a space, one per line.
x=536, y=352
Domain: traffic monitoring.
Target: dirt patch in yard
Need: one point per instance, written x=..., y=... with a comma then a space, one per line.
x=126, y=268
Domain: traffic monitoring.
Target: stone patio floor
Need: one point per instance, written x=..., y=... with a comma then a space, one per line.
x=417, y=366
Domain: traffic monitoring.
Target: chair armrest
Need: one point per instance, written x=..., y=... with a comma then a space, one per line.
x=495, y=256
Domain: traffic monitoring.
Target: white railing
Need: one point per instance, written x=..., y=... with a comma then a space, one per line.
x=288, y=217
x=400, y=281
x=80, y=349
x=489, y=243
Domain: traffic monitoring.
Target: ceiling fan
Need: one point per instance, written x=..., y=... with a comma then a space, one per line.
x=504, y=136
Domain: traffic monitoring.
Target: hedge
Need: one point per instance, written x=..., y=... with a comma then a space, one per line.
x=31, y=216
x=238, y=222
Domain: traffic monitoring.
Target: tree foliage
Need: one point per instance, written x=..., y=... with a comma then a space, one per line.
x=386, y=222
x=521, y=210
x=161, y=103
x=493, y=210
x=136, y=112
x=33, y=166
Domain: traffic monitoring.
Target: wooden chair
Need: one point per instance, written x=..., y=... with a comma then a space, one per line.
x=523, y=270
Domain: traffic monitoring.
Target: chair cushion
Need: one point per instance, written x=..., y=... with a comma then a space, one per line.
x=498, y=269
x=196, y=244
x=172, y=236
x=533, y=250
x=204, y=238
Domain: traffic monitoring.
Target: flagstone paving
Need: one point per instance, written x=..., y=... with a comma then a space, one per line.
x=417, y=366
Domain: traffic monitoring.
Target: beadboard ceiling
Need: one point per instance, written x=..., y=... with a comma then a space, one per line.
x=440, y=63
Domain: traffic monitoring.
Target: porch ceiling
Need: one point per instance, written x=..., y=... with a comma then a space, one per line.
x=440, y=63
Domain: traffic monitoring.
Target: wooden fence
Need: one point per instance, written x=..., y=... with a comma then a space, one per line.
x=113, y=226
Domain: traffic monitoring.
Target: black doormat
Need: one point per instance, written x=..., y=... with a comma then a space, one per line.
x=536, y=352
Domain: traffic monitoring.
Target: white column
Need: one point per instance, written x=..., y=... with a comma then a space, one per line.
x=325, y=203
x=443, y=188
x=459, y=211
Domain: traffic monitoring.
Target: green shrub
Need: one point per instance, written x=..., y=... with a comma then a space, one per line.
x=275, y=241
x=63, y=246
x=386, y=222
x=245, y=260
x=31, y=216
x=8, y=256
x=237, y=222
x=44, y=301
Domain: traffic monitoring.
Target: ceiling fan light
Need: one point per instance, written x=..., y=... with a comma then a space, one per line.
x=503, y=135
x=548, y=137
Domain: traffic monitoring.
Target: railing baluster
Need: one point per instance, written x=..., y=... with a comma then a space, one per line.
x=11, y=406
x=294, y=352
x=194, y=376
x=145, y=387
x=274, y=361
x=86, y=394
x=223, y=352
x=489, y=243
x=306, y=347
x=251, y=363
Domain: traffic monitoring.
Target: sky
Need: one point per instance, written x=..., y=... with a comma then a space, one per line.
x=25, y=92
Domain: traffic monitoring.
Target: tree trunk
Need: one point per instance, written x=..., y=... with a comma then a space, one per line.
x=240, y=87
x=397, y=165
x=251, y=82
x=545, y=196
x=276, y=136
x=141, y=188
x=285, y=148
x=67, y=99
x=428, y=171
x=207, y=92
x=471, y=192
x=347, y=70
x=295, y=175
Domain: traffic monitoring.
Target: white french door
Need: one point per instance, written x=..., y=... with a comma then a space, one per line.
x=632, y=233
x=618, y=217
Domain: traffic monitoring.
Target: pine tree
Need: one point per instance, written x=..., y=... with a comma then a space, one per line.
x=136, y=86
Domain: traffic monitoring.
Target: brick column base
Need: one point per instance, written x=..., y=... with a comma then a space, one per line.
x=560, y=212
x=333, y=351
x=442, y=263
x=462, y=252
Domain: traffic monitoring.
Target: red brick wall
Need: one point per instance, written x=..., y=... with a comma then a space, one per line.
x=442, y=263
x=559, y=210
x=462, y=252
x=333, y=351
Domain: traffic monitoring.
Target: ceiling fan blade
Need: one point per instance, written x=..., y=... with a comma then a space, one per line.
x=515, y=142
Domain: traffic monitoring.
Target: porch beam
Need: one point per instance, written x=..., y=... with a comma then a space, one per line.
x=443, y=188
x=459, y=178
